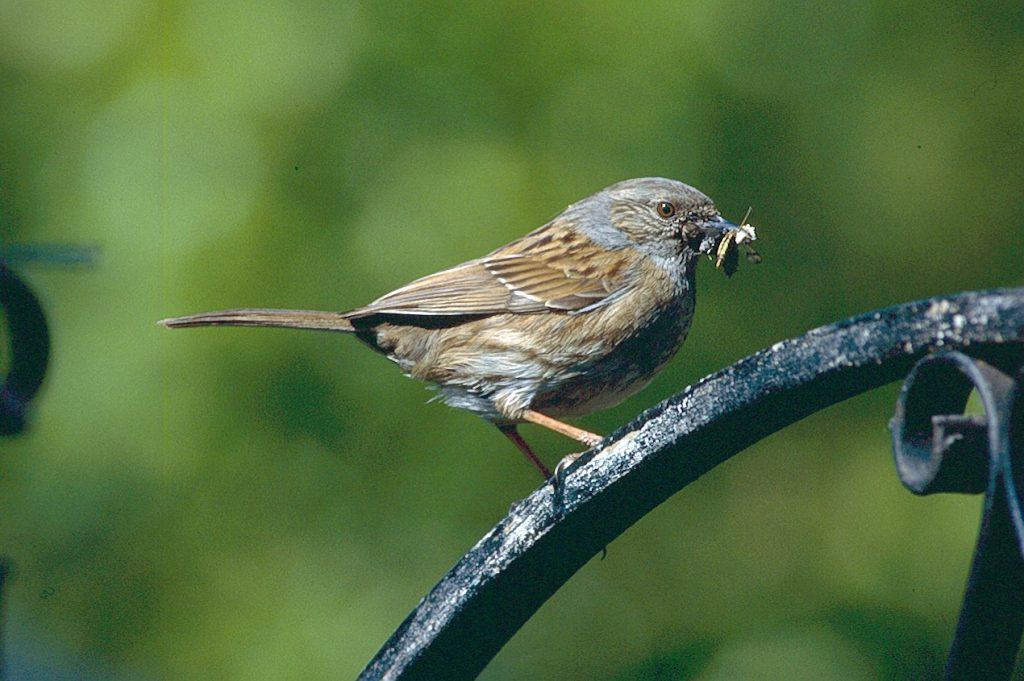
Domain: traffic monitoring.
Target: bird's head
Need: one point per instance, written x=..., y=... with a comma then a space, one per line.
x=665, y=217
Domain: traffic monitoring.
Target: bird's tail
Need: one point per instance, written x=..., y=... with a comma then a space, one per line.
x=286, y=319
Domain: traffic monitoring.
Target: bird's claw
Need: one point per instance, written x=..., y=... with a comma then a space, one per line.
x=560, y=470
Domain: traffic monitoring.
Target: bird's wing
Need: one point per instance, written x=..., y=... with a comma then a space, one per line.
x=551, y=269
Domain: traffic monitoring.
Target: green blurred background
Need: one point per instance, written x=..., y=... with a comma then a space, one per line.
x=251, y=504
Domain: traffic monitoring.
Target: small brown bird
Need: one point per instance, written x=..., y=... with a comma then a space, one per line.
x=574, y=317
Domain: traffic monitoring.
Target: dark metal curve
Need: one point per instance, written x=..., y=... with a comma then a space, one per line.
x=29, y=352
x=938, y=449
x=1013, y=470
x=485, y=598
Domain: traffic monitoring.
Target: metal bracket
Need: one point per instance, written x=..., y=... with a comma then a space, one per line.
x=939, y=449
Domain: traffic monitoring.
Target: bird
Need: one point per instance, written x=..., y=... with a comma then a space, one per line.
x=572, y=318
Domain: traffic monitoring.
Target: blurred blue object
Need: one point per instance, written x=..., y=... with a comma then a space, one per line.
x=50, y=255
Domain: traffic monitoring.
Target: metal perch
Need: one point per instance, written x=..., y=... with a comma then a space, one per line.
x=468, y=616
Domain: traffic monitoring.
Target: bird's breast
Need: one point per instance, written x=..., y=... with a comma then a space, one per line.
x=629, y=345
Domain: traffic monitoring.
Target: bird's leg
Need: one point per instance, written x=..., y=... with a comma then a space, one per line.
x=512, y=434
x=578, y=434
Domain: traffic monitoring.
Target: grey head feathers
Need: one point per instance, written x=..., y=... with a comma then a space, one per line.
x=625, y=215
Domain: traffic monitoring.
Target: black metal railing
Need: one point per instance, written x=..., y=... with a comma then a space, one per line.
x=28, y=336
x=28, y=355
x=28, y=350
x=940, y=449
x=944, y=347
x=479, y=605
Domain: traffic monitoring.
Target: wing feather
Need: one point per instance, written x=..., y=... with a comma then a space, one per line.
x=553, y=268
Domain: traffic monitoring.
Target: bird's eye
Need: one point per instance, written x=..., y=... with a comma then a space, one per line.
x=666, y=209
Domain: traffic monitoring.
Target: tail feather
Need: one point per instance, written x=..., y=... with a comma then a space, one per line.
x=285, y=319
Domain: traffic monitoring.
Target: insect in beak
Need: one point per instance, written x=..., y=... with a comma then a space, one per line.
x=726, y=252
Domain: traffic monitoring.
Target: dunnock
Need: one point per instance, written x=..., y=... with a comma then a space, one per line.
x=572, y=318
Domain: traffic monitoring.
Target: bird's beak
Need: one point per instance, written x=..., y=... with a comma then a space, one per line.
x=712, y=231
x=717, y=226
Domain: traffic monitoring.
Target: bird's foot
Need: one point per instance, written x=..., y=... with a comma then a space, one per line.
x=560, y=470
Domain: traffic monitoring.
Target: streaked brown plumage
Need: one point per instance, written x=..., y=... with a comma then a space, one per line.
x=571, y=318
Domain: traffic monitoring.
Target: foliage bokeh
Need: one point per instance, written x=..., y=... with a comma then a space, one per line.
x=269, y=504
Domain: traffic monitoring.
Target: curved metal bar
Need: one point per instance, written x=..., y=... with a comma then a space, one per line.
x=29, y=340
x=1013, y=469
x=938, y=449
x=481, y=602
x=29, y=350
